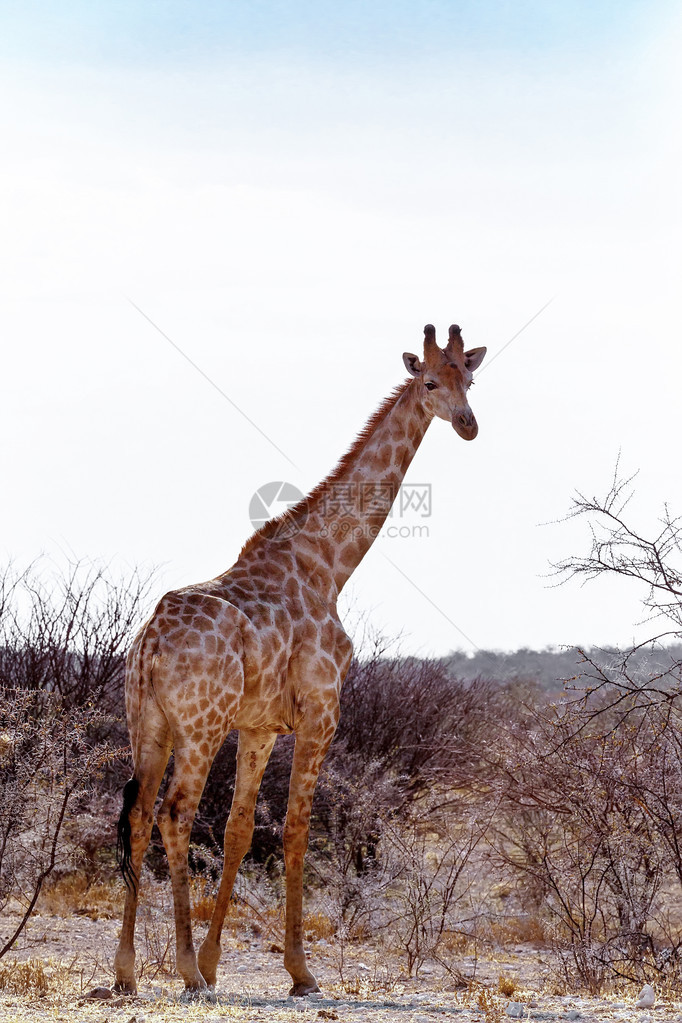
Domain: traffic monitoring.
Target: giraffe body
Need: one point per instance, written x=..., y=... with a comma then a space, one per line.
x=261, y=649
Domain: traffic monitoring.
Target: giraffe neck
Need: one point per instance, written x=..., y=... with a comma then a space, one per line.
x=345, y=512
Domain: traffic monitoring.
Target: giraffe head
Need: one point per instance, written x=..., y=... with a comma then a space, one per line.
x=444, y=378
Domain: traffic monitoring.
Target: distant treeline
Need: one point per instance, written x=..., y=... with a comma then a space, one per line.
x=551, y=666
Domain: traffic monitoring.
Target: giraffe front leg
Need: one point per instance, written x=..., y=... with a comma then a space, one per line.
x=253, y=753
x=308, y=757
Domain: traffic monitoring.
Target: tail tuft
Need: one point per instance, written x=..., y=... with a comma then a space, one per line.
x=123, y=846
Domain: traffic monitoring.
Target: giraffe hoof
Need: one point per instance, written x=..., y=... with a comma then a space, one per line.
x=198, y=994
x=121, y=987
x=304, y=987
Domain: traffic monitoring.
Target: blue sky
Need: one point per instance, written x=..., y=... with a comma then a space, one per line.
x=290, y=191
x=172, y=32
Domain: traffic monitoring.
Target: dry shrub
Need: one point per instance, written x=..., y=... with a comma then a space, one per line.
x=318, y=925
x=520, y=929
x=507, y=985
x=382, y=976
x=247, y=914
x=62, y=642
x=49, y=767
x=432, y=876
x=458, y=942
x=157, y=956
x=73, y=895
x=202, y=899
x=159, y=939
x=490, y=1005
x=27, y=978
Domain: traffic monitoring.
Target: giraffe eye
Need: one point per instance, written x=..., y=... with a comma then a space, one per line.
x=430, y=386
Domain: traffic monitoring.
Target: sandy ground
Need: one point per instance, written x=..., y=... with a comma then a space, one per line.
x=77, y=954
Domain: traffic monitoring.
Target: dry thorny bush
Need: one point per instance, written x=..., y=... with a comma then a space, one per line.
x=62, y=641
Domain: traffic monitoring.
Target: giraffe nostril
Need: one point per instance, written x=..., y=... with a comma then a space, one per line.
x=462, y=420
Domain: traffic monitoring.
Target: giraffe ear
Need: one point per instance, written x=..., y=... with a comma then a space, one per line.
x=474, y=357
x=412, y=364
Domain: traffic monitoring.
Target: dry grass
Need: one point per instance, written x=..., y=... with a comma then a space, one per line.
x=73, y=895
x=203, y=902
x=27, y=978
x=492, y=1007
x=244, y=918
x=458, y=942
x=318, y=925
x=523, y=929
x=507, y=985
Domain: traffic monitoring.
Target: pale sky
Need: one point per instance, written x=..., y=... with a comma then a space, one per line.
x=289, y=191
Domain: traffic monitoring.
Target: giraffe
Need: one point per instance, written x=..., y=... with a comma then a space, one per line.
x=261, y=649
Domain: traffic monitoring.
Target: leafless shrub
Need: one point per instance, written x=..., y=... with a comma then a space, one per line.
x=619, y=548
x=430, y=858
x=62, y=640
x=581, y=847
x=158, y=956
x=65, y=630
x=47, y=768
x=591, y=789
x=346, y=862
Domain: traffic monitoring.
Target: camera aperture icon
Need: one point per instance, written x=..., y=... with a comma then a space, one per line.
x=275, y=499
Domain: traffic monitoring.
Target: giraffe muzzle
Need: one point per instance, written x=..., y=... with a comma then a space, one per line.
x=464, y=423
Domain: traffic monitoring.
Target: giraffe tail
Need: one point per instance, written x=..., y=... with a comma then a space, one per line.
x=123, y=845
x=138, y=674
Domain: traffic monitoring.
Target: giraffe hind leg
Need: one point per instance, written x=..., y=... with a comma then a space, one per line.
x=134, y=830
x=140, y=818
x=175, y=819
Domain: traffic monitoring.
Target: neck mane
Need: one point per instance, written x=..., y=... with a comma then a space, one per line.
x=342, y=515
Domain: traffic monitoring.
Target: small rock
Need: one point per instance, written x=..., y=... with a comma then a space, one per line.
x=572, y=1014
x=276, y=948
x=516, y=1010
x=100, y=994
x=243, y=969
x=363, y=966
x=646, y=998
